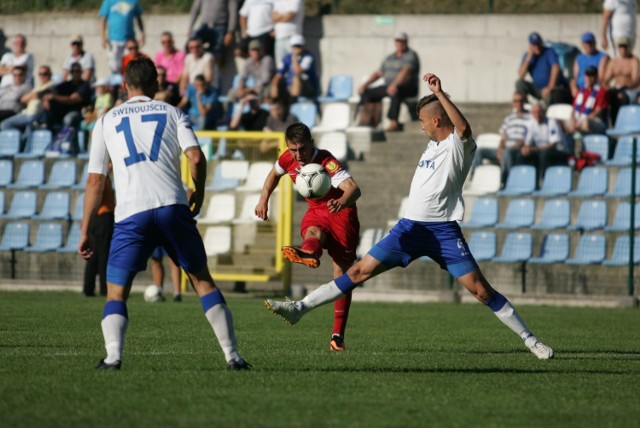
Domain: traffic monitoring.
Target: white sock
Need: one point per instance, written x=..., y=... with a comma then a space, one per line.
x=510, y=317
x=326, y=293
x=114, y=327
x=219, y=316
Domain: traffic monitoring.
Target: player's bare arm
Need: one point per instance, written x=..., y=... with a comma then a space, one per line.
x=349, y=197
x=92, y=199
x=460, y=123
x=198, y=170
x=270, y=184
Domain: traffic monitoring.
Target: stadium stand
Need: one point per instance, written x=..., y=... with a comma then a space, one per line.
x=591, y=216
x=368, y=239
x=483, y=245
x=6, y=172
x=554, y=249
x=623, y=153
x=48, y=238
x=40, y=140
x=335, y=117
x=485, y=180
x=340, y=88
x=521, y=181
x=31, y=174
x=83, y=178
x=557, y=181
x=593, y=181
x=306, y=112
x=23, y=205
x=55, y=207
x=591, y=250
x=556, y=214
x=9, y=142
x=256, y=175
x=520, y=214
x=221, y=209
x=78, y=208
x=484, y=213
x=15, y=236
x=228, y=174
x=622, y=187
x=336, y=143
x=217, y=240
x=597, y=144
x=620, y=254
x=73, y=238
x=63, y=175
x=516, y=248
x=622, y=218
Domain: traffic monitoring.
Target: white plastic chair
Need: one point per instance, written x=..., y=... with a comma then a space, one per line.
x=217, y=240
x=221, y=209
x=256, y=175
x=336, y=143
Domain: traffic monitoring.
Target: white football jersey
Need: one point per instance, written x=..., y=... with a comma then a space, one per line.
x=143, y=139
x=436, y=189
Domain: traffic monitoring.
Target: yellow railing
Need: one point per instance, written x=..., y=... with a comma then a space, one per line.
x=281, y=268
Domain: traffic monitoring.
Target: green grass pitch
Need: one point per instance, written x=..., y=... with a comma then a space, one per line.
x=405, y=365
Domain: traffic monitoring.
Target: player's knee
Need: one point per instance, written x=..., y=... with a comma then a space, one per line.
x=358, y=273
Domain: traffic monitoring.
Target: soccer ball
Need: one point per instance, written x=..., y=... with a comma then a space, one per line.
x=153, y=293
x=313, y=181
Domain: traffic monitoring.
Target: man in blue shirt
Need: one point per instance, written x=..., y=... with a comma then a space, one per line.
x=296, y=75
x=591, y=57
x=119, y=16
x=542, y=64
x=202, y=100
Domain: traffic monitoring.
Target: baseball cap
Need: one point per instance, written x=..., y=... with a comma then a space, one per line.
x=535, y=39
x=623, y=40
x=76, y=39
x=588, y=37
x=401, y=36
x=591, y=71
x=101, y=82
x=296, y=40
x=255, y=44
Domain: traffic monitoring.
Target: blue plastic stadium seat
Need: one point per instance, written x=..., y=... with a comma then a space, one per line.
x=40, y=140
x=63, y=175
x=516, y=248
x=597, y=144
x=556, y=214
x=9, y=142
x=306, y=112
x=520, y=213
x=48, y=238
x=31, y=174
x=591, y=249
x=622, y=188
x=6, y=172
x=591, y=216
x=340, y=89
x=78, y=208
x=228, y=174
x=1, y=202
x=521, y=181
x=621, y=221
x=623, y=153
x=73, y=238
x=83, y=178
x=620, y=255
x=369, y=238
x=483, y=245
x=627, y=121
x=15, y=236
x=484, y=213
x=557, y=181
x=55, y=207
x=593, y=181
x=555, y=249
x=23, y=205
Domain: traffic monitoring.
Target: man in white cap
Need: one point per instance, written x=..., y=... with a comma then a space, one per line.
x=400, y=71
x=296, y=74
x=288, y=17
x=78, y=55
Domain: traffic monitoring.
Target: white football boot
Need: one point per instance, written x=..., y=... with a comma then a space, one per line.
x=538, y=348
x=290, y=310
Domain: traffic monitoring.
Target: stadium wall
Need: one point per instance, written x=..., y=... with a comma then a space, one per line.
x=480, y=53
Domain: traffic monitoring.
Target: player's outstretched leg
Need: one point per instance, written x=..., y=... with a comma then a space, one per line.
x=308, y=253
x=219, y=316
x=114, y=326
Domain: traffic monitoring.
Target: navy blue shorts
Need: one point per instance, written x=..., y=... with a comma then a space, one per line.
x=171, y=227
x=441, y=241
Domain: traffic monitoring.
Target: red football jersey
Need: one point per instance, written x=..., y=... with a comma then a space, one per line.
x=322, y=157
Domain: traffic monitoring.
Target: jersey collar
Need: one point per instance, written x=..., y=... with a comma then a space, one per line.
x=139, y=99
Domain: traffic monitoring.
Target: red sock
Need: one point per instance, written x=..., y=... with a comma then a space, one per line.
x=313, y=246
x=340, y=314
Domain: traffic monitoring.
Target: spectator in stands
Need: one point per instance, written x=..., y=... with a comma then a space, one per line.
x=288, y=19
x=63, y=106
x=167, y=91
x=133, y=52
x=24, y=120
x=590, y=57
x=400, y=71
x=119, y=16
x=622, y=77
x=256, y=23
x=11, y=95
x=85, y=59
x=19, y=56
x=253, y=120
x=202, y=100
x=590, y=106
x=514, y=134
x=218, y=23
x=618, y=20
x=102, y=104
x=101, y=231
x=280, y=118
x=296, y=75
x=542, y=64
x=197, y=62
x=170, y=58
x=260, y=68
x=547, y=145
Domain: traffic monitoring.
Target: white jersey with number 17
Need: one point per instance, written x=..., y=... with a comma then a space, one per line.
x=143, y=139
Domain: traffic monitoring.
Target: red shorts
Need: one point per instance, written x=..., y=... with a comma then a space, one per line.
x=342, y=231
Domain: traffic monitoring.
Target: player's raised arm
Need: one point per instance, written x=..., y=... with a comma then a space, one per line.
x=198, y=169
x=351, y=193
x=463, y=129
x=270, y=184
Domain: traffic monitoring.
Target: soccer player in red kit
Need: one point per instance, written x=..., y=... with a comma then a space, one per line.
x=330, y=222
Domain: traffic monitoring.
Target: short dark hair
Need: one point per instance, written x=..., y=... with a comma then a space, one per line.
x=141, y=74
x=298, y=133
x=433, y=99
x=21, y=68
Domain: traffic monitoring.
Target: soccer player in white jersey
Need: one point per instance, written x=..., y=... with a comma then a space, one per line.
x=430, y=226
x=144, y=138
